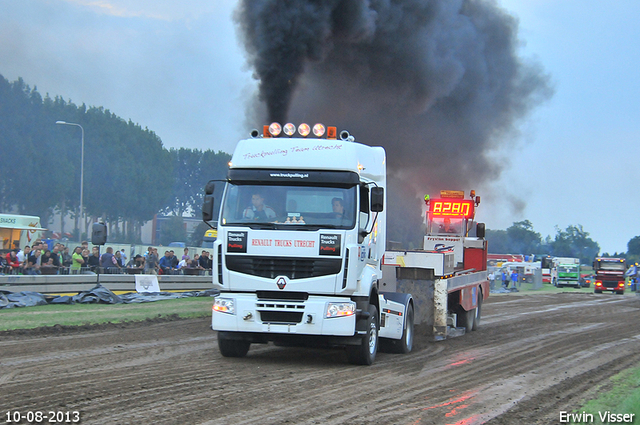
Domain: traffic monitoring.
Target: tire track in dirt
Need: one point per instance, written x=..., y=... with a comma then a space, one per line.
x=530, y=351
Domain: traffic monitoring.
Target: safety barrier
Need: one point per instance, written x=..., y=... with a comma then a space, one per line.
x=53, y=270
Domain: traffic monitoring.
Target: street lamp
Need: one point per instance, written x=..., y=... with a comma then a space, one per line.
x=81, y=166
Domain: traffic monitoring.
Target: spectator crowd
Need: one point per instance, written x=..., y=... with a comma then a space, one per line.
x=39, y=259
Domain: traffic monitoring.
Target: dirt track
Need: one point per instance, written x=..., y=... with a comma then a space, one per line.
x=532, y=357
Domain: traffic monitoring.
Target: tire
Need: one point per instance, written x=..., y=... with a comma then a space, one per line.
x=403, y=345
x=478, y=309
x=365, y=353
x=465, y=319
x=597, y=292
x=232, y=347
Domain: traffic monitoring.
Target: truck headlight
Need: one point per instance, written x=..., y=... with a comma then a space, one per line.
x=340, y=309
x=224, y=305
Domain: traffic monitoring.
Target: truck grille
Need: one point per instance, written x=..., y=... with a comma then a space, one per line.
x=293, y=268
x=280, y=317
x=283, y=311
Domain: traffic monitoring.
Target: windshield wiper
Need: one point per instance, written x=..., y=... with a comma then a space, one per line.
x=262, y=225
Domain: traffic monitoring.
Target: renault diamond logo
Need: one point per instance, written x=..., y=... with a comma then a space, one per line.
x=281, y=282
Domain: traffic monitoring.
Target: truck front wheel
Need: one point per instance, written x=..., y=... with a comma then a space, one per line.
x=365, y=353
x=232, y=347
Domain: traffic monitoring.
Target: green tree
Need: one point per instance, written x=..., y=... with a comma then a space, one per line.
x=522, y=239
x=192, y=169
x=173, y=230
x=575, y=242
x=633, y=250
x=127, y=171
x=519, y=238
x=497, y=241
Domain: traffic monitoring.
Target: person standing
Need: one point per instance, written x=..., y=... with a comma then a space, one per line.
x=108, y=260
x=66, y=257
x=165, y=263
x=514, y=278
x=204, y=260
x=186, y=255
x=76, y=260
x=85, y=257
x=33, y=262
x=55, y=256
x=119, y=261
x=174, y=259
x=12, y=262
x=23, y=255
x=94, y=259
x=151, y=263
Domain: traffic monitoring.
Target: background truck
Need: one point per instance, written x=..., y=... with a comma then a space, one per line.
x=609, y=274
x=549, y=269
x=300, y=248
x=568, y=271
x=20, y=229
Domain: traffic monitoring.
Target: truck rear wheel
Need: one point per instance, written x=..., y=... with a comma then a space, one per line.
x=466, y=319
x=365, y=353
x=232, y=347
x=476, y=319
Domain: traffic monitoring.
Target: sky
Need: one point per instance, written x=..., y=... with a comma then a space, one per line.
x=178, y=69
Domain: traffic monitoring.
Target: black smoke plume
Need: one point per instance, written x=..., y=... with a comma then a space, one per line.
x=438, y=83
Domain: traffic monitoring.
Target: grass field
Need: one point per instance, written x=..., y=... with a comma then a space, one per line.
x=622, y=396
x=88, y=314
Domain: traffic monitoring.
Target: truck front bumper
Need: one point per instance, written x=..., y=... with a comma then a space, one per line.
x=299, y=317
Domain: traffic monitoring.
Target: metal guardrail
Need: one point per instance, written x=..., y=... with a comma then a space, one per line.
x=65, y=281
x=53, y=270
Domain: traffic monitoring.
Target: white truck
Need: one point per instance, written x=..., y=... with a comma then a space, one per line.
x=18, y=229
x=300, y=248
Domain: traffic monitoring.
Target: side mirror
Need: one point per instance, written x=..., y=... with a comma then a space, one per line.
x=377, y=199
x=99, y=234
x=207, y=208
x=480, y=230
x=207, y=205
x=209, y=188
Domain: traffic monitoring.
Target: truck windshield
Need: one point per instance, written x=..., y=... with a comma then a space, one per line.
x=287, y=205
x=446, y=226
x=612, y=266
x=567, y=268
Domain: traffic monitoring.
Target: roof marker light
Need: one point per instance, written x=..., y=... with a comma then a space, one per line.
x=275, y=129
x=318, y=130
x=289, y=129
x=304, y=130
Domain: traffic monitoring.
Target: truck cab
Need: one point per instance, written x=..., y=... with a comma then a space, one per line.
x=609, y=274
x=301, y=235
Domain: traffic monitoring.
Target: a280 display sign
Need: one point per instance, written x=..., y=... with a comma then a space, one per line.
x=452, y=208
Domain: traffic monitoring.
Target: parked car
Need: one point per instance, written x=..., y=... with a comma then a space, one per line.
x=585, y=281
